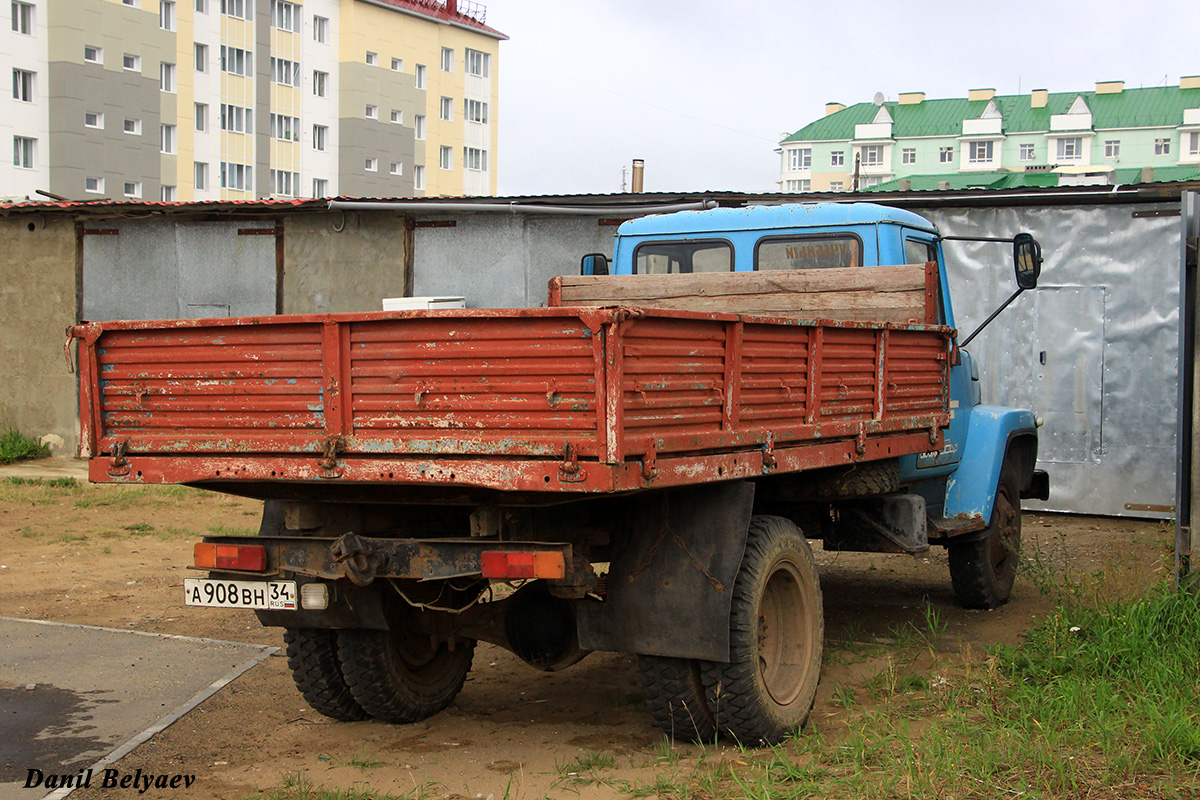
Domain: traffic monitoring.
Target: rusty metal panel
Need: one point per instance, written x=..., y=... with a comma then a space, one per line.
x=582, y=400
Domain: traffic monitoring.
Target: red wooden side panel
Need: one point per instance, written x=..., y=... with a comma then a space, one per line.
x=774, y=375
x=847, y=383
x=915, y=373
x=672, y=381
x=211, y=389
x=514, y=385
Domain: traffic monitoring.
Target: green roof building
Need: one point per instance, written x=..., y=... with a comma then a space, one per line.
x=1110, y=135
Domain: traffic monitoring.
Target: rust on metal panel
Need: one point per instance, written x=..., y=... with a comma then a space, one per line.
x=931, y=292
x=556, y=399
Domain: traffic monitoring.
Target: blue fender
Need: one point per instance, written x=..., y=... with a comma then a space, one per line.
x=971, y=490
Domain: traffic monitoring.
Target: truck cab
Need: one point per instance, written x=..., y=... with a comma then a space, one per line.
x=962, y=481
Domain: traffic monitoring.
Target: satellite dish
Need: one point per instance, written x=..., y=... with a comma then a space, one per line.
x=878, y=98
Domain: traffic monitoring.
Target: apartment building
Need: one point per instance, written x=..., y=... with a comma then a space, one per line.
x=243, y=99
x=1113, y=134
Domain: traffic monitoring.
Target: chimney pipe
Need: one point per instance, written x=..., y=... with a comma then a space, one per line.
x=452, y=6
x=639, y=172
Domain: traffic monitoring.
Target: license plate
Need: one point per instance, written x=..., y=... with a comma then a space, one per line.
x=239, y=594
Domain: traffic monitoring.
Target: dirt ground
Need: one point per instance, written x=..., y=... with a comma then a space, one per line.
x=112, y=556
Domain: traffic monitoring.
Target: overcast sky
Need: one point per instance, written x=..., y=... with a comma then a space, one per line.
x=704, y=90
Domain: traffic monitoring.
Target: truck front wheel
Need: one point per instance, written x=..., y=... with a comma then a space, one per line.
x=983, y=570
x=776, y=635
x=400, y=675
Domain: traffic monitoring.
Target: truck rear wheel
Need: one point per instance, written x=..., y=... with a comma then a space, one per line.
x=312, y=657
x=400, y=675
x=983, y=570
x=776, y=635
x=675, y=694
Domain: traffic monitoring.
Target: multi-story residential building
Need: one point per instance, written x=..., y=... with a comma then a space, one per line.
x=240, y=99
x=1041, y=138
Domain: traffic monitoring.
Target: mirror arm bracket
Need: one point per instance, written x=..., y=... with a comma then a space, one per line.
x=988, y=321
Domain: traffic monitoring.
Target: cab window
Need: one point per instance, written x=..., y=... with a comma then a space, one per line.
x=808, y=252
x=670, y=258
x=917, y=251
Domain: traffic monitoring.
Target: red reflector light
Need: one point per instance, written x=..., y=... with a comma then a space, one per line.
x=522, y=564
x=245, y=557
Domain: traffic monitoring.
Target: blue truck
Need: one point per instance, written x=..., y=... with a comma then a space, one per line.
x=639, y=467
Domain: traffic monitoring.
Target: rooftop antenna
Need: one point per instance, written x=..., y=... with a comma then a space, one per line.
x=878, y=99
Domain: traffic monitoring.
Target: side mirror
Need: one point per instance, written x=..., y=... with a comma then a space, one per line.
x=594, y=264
x=1027, y=260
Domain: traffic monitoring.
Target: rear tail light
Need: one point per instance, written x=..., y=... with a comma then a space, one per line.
x=245, y=557
x=522, y=564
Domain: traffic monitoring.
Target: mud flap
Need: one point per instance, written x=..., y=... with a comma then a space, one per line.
x=670, y=582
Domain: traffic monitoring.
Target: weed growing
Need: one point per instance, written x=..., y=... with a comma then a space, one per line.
x=15, y=447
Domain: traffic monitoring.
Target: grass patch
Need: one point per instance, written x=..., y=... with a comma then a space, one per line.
x=15, y=447
x=301, y=787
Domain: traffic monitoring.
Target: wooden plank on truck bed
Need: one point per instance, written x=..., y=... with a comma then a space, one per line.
x=882, y=294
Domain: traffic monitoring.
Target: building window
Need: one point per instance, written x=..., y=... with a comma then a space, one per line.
x=22, y=18
x=166, y=77
x=871, y=180
x=1162, y=147
x=1025, y=152
x=166, y=193
x=397, y=116
x=321, y=29
x=420, y=76
x=166, y=139
x=93, y=119
x=475, y=159
x=320, y=187
x=799, y=186
x=201, y=6
x=447, y=60
x=447, y=111
x=285, y=16
x=419, y=177
x=476, y=111
x=200, y=177
x=285, y=72
x=285, y=183
x=1193, y=143
x=320, y=137
x=397, y=65
x=93, y=185
x=908, y=155
x=241, y=9
x=132, y=63
x=872, y=155
x=236, y=61
x=93, y=54
x=837, y=158
x=1070, y=149
x=979, y=152
x=371, y=165
x=1112, y=148
x=446, y=157
x=320, y=83
x=478, y=63
x=836, y=186
x=239, y=177
x=372, y=59
x=396, y=168
x=419, y=126
x=237, y=119
x=23, y=85
x=800, y=158
x=285, y=127
x=23, y=152
x=166, y=15
x=130, y=3
x=132, y=127
x=133, y=189
x=201, y=51
x=945, y=155
x=372, y=112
